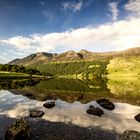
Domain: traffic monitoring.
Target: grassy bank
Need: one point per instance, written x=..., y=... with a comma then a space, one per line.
x=124, y=67
x=16, y=75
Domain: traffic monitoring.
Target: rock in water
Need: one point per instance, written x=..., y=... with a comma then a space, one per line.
x=49, y=104
x=19, y=130
x=36, y=113
x=91, y=106
x=130, y=135
x=137, y=117
x=95, y=111
x=105, y=103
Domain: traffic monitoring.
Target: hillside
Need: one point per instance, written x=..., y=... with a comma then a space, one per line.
x=124, y=66
x=33, y=58
x=44, y=58
x=85, y=64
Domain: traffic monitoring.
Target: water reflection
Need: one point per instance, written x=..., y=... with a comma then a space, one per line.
x=119, y=120
x=71, y=90
x=16, y=84
x=73, y=97
x=127, y=89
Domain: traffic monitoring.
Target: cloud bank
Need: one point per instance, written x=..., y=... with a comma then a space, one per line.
x=119, y=35
x=113, y=36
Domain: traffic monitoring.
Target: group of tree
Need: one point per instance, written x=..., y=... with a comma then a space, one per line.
x=86, y=68
x=19, y=69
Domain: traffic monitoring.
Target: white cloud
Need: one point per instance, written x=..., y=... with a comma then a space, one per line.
x=113, y=8
x=119, y=35
x=18, y=42
x=3, y=59
x=72, y=6
x=133, y=6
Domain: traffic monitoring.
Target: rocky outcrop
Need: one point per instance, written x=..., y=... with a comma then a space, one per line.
x=95, y=111
x=137, y=117
x=69, y=55
x=130, y=135
x=91, y=106
x=36, y=113
x=49, y=105
x=19, y=130
x=105, y=103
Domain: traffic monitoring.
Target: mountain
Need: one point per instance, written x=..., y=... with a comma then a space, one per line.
x=33, y=58
x=43, y=57
x=15, y=61
x=69, y=55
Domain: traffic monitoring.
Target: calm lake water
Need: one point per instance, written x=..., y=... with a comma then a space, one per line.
x=73, y=97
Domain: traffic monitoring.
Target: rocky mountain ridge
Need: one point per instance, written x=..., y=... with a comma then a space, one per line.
x=71, y=55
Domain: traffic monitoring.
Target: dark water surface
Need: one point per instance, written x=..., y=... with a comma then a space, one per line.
x=72, y=98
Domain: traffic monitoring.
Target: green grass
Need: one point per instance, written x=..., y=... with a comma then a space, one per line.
x=124, y=67
x=15, y=75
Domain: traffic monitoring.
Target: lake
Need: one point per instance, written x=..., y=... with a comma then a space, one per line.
x=73, y=97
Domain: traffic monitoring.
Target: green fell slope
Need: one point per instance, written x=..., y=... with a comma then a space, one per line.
x=124, y=66
x=85, y=64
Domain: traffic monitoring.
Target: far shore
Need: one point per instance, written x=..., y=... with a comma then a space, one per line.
x=15, y=75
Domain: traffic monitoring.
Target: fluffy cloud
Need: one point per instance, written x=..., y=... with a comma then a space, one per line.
x=18, y=42
x=114, y=10
x=119, y=35
x=72, y=6
x=133, y=6
x=3, y=59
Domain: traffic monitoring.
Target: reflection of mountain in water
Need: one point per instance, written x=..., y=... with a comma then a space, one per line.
x=127, y=89
x=71, y=90
x=65, y=89
x=16, y=84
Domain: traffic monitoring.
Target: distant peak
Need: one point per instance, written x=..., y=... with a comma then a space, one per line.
x=70, y=51
x=70, y=55
x=40, y=53
x=83, y=51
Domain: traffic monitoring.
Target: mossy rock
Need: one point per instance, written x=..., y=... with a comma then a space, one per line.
x=130, y=135
x=19, y=130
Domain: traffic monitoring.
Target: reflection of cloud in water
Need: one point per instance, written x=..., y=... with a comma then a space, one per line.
x=120, y=119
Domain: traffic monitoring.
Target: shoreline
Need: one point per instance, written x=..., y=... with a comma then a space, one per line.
x=42, y=130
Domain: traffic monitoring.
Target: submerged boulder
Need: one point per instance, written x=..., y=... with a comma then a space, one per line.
x=95, y=111
x=36, y=113
x=105, y=103
x=50, y=104
x=137, y=117
x=91, y=106
x=19, y=130
x=130, y=135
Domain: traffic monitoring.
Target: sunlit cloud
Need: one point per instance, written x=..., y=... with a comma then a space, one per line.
x=111, y=36
x=18, y=42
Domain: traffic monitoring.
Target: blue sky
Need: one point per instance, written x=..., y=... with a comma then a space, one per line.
x=30, y=26
x=26, y=17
